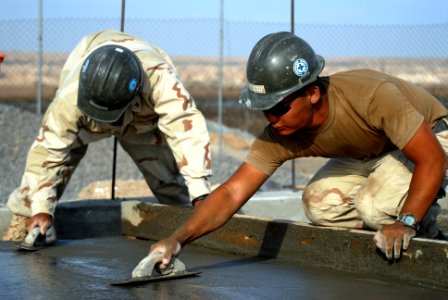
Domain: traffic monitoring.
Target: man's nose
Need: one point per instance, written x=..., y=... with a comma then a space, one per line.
x=271, y=118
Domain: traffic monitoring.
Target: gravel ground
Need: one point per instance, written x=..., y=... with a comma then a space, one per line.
x=20, y=127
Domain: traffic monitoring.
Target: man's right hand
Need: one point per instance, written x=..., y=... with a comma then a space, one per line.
x=168, y=247
x=162, y=257
x=41, y=220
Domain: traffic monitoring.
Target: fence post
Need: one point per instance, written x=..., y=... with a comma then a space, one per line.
x=293, y=161
x=220, y=75
x=114, y=157
x=39, y=60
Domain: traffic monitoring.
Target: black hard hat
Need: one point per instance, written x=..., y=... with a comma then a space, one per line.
x=110, y=78
x=279, y=64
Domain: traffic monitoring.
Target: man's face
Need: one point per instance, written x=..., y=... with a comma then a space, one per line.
x=293, y=113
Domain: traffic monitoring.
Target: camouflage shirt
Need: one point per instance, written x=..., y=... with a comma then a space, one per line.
x=164, y=112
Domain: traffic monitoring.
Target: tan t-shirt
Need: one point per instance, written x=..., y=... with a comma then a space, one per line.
x=370, y=113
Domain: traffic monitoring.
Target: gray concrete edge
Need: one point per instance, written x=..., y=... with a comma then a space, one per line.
x=424, y=263
x=80, y=219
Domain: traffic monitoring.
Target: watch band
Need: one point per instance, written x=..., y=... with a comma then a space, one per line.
x=200, y=198
x=409, y=221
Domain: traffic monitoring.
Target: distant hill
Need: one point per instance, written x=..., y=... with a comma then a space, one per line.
x=19, y=73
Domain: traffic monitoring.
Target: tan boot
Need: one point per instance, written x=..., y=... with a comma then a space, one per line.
x=16, y=231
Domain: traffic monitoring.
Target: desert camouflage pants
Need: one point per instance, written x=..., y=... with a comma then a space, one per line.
x=158, y=166
x=156, y=162
x=362, y=193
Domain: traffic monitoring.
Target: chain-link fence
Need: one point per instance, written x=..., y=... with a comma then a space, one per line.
x=415, y=53
x=418, y=53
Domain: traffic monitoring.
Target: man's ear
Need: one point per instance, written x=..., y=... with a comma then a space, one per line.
x=314, y=93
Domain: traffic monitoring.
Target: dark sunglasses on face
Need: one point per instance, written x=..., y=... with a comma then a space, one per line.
x=281, y=108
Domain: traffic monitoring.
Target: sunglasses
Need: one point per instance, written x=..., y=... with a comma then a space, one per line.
x=281, y=108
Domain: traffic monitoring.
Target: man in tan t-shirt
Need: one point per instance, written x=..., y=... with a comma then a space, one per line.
x=387, y=140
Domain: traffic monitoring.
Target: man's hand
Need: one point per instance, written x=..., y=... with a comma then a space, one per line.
x=41, y=220
x=162, y=258
x=168, y=247
x=40, y=224
x=392, y=238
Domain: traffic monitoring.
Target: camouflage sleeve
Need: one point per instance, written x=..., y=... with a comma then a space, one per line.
x=81, y=49
x=49, y=163
x=184, y=127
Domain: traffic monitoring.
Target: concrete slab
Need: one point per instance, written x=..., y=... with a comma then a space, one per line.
x=424, y=263
x=91, y=253
x=83, y=269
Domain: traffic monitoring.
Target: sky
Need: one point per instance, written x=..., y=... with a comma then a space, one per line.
x=194, y=24
x=365, y=12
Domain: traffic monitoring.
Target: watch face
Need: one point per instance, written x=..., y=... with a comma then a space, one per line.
x=409, y=220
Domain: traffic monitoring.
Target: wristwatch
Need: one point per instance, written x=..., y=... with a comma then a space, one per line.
x=409, y=221
x=200, y=198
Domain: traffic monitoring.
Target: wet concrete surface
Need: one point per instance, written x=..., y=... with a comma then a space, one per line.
x=84, y=269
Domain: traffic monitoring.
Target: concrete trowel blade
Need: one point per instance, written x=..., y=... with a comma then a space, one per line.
x=27, y=248
x=147, y=279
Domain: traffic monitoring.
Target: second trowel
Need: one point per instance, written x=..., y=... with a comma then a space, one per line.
x=35, y=240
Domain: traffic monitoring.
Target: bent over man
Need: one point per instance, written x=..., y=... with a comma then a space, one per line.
x=387, y=140
x=115, y=84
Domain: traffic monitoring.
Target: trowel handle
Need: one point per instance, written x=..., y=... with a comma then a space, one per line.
x=32, y=236
x=157, y=256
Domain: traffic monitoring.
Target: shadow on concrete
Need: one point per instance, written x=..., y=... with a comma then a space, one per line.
x=87, y=219
x=273, y=239
x=272, y=242
x=232, y=263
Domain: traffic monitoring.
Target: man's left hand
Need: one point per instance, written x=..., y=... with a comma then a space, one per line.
x=392, y=238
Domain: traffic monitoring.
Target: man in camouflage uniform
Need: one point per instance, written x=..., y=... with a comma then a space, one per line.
x=115, y=84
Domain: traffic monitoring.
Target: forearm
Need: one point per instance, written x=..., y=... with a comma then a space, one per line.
x=44, y=176
x=423, y=189
x=212, y=214
x=430, y=162
x=185, y=129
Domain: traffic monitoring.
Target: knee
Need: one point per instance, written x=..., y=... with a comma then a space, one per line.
x=319, y=204
x=330, y=207
x=310, y=201
x=372, y=216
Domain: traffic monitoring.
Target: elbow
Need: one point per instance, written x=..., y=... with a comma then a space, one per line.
x=441, y=163
x=445, y=163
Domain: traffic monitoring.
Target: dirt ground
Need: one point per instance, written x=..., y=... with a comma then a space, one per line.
x=233, y=145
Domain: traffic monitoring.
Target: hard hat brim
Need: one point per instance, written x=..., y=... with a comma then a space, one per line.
x=88, y=107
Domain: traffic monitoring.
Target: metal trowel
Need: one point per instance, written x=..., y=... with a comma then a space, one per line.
x=143, y=273
x=148, y=279
x=35, y=241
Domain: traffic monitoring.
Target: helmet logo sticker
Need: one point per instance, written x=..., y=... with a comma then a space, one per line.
x=300, y=67
x=259, y=89
x=132, y=85
x=85, y=65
